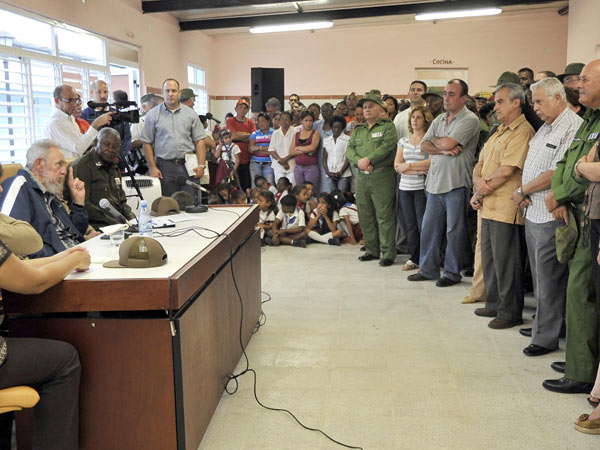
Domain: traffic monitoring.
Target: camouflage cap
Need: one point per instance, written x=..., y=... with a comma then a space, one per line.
x=186, y=94
x=434, y=91
x=508, y=77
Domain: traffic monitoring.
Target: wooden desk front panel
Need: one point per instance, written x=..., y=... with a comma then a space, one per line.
x=209, y=336
x=127, y=385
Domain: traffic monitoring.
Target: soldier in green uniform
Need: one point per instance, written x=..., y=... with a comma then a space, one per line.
x=102, y=178
x=371, y=151
x=568, y=191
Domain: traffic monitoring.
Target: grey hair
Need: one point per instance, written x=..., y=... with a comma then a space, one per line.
x=274, y=101
x=157, y=100
x=552, y=87
x=40, y=150
x=514, y=91
x=108, y=130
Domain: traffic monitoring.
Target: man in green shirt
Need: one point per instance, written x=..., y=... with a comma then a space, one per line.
x=102, y=178
x=568, y=191
x=371, y=151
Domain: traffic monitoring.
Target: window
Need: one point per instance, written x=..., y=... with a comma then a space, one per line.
x=61, y=55
x=197, y=82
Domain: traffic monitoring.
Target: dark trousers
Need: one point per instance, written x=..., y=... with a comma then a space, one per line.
x=595, y=242
x=502, y=268
x=170, y=171
x=413, y=207
x=245, y=177
x=52, y=369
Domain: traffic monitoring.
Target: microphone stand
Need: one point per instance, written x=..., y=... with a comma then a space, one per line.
x=199, y=208
x=134, y=182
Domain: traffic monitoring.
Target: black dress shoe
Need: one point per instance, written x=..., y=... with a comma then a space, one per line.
x=417, y=277
x=367, y=257
x=525, y=332
x=485, y=312
x=536, y=350
x=445, y=282
x=566, y=386
x=385, y=262
x=559, y=366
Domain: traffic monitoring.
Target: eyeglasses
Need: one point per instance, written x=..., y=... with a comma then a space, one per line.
x=71, y=101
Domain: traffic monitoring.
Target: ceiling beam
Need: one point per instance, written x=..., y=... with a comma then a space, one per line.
x=157, y=6
x=350, y=13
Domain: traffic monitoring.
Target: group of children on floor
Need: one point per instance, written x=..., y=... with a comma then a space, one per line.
x=291, y=215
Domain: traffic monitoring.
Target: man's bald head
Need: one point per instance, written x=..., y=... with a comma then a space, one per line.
x=589, y=85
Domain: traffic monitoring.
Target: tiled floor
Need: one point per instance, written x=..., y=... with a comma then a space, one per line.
x=382, y=363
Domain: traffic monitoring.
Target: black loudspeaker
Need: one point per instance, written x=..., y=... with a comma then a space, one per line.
x=265, y=83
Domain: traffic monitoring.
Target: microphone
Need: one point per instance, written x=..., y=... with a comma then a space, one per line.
x=182, y=179
x=106, y=206
x=199, y=208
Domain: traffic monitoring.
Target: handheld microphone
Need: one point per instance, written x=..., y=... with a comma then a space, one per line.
x=106, y=206
x=182, y=179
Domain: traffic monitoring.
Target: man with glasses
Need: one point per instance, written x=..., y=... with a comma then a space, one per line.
x=63, y=128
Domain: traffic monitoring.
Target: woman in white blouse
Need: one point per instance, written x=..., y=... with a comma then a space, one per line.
x=335, y=163
x=413, y=165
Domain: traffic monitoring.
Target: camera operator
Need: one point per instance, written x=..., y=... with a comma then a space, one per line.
x=100, y=95
x=62, y=126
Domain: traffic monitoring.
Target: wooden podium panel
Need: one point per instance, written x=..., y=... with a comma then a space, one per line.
x=154, y=352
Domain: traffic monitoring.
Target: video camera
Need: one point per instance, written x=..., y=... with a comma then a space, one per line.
x=120, y=116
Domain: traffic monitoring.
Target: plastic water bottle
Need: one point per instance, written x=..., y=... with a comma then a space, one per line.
x=145, y=220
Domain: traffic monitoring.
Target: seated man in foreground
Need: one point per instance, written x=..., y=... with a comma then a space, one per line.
x=102, y=178
x=33, y=194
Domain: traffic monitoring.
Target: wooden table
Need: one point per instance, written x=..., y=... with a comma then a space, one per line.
x=157, y=344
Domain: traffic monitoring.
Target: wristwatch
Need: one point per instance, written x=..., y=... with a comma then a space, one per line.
x=520, y=191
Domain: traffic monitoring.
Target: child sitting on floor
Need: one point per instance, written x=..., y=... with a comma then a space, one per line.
x=349, y=220
x=311, y=203
x=254, y=195
x=268, y=210
x=301, y=193
x=239, y=198
x=283, y=188
x=323, y=224
x=222, y=195
x=262, y=183
x=289, y=226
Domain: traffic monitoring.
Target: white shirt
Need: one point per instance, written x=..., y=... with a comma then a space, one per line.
x=336, y=153
x=234, y=151
x=401, y=122
x=293, y=220
x=350, y=210
x=136, y=129
x=546, y=149
x=281, y=143
x=63, y=129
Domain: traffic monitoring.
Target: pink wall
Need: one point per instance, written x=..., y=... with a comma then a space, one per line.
x=338, y=61
x=163, y=50
x=584, y=30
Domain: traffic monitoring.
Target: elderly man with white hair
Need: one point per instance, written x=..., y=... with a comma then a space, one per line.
x=546, y=149
x=33, y=194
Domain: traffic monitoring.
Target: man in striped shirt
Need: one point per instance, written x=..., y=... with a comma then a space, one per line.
x=546, y=149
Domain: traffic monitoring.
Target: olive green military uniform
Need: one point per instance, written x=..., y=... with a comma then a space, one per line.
x=582, y=321
x=376, y=191
x=102, y=180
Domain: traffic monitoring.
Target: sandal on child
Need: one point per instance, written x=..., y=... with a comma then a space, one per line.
x=409, y=265
x=587, y=425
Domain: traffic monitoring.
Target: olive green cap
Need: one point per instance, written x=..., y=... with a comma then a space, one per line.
x=434, y=91
x=186, y=94
x=571, y=69
x=164, y=206
x=508, y=77
x=139, y=252
x=374, y=95
x=566, y=240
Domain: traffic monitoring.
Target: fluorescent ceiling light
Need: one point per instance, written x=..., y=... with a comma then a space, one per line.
x=462, y=13
x=291, y=27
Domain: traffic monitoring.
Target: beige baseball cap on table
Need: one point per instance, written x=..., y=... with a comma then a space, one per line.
x=139, y=252
x=164, y=206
